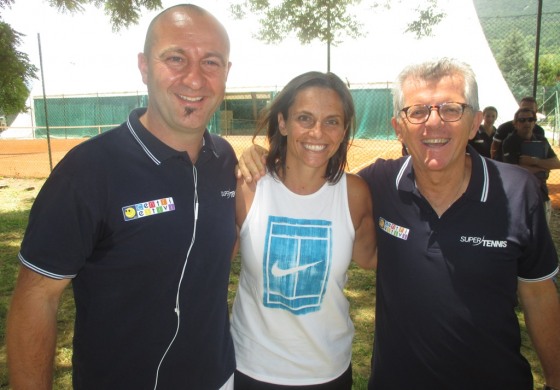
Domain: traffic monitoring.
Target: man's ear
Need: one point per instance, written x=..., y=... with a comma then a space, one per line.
x=228, y=69
x=477, y=120
x=397, y=127
x=143, y=67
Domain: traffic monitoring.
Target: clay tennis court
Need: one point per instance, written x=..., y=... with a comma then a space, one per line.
x=30, y=158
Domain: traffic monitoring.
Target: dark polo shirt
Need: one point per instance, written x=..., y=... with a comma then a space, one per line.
x=447, y=287
x=117, y=216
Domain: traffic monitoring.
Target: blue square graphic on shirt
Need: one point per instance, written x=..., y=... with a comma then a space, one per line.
x=296, y=263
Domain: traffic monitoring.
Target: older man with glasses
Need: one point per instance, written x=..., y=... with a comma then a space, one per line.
x=531, y=151
x=460, y=238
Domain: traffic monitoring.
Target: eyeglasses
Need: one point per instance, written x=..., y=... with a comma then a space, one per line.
x=448, y=112
x=523, y=120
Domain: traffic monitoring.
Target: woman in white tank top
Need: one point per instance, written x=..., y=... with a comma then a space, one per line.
x=300, y=226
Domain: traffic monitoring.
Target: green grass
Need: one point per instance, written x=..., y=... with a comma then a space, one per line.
x=15, y=201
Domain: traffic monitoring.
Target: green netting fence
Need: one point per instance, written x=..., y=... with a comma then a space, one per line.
x=87, y=116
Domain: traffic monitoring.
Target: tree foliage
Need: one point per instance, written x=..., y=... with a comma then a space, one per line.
x=16, y=72
x=549, y=70
x=514, y=63
x=327, y=21
x=6, y=3
x=427, y=18
x=549, y=80
x=122, y=13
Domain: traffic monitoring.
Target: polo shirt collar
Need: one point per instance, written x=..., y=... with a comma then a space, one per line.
x=479, y=183
x=156, y=150
x=534, y=137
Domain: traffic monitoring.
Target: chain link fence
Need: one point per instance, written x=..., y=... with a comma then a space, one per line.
x=512, y=36
x=513, y=41
x=69, y=120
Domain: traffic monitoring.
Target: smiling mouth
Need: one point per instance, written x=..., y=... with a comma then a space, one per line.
x=314, y=147
x=435, y=141
x=190, y=99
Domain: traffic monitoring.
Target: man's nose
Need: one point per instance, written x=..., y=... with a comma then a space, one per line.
x=193, y=76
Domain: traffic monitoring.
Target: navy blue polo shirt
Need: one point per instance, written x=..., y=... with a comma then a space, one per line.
x=482, y=142
x=504, y=130
x=446, y=287
x=512, y=149
x=117, y=215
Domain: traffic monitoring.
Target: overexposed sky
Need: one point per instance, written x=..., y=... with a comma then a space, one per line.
x=82, y=55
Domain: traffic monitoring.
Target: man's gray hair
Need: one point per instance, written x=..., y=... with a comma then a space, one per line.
x=434, y=70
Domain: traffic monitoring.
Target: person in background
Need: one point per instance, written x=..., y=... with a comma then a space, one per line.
x=461, y=240
x=507, y=128
x=483, y=138
x=131, y=218
x=300, y=228
x=531, y=151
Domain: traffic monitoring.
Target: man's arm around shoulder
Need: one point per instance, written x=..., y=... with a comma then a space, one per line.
x=31, y=330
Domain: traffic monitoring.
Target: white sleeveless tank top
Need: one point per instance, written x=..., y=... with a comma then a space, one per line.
x=290, y=318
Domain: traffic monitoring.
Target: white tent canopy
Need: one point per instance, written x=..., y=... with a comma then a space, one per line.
x=82, y=55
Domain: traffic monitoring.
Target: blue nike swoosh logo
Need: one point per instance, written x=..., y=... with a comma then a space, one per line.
x=279, y=272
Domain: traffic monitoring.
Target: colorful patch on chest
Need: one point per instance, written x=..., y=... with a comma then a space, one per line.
x=147, y=209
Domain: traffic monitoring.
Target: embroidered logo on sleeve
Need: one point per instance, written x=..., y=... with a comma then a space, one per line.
x=228, y=194
x=394, y=230
x=296, y=263
x=149, y=208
